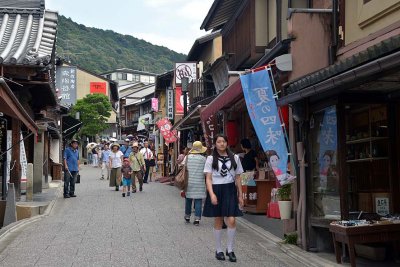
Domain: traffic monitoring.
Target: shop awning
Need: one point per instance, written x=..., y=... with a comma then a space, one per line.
x=229, y=96
x=10, y=106
x=191, y=118
x=70, y=126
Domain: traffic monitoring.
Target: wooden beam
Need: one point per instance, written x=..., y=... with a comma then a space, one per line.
x=15, y=173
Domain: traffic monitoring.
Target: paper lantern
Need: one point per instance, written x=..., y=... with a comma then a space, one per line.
x=232, y=133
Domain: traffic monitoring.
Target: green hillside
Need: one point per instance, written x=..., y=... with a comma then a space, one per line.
x=99, y=50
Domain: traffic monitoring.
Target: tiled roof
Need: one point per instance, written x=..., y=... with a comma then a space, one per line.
x=374, y=52
x=27, y=32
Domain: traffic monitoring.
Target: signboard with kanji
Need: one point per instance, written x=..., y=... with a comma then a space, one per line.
x=170, y=104
x=98, y=88
x=66, y=84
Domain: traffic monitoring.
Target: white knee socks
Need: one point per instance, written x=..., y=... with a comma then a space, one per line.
x=231, y=238
x=217, y=235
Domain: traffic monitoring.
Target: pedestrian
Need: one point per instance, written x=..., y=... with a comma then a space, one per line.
x=126, y=149
x=71, y=167
x=95, y=162
x=138, y=167
x=105, y=159
x=147, y=155
x=196, y=188
x=89, y=155
x=115, y=164
x=250, y=160
x=224, y=193
x=126, y=177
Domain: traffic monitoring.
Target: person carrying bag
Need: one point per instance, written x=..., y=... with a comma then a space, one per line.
x=138, y=167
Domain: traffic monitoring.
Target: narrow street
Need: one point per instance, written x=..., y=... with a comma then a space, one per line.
x=101, y=228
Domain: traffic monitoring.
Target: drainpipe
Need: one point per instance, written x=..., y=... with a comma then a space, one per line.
x=335, y=22
x=278, y=21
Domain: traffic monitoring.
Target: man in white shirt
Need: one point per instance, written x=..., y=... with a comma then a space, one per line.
x=147, y=155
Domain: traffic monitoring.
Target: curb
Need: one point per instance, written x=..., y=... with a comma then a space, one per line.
x=292, y=251
x=22, y=223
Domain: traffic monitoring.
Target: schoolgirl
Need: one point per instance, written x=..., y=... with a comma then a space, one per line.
x=224, y=193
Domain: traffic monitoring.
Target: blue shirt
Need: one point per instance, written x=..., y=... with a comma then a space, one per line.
x=126, y=150
x=72, y=156
x=106, y=155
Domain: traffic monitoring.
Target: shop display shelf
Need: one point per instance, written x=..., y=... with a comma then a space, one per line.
x=366, y=140
x=366, y=159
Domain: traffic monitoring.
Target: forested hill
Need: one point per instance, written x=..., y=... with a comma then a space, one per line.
x=103, y=50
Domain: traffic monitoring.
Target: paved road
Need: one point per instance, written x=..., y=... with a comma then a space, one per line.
x=100, y=228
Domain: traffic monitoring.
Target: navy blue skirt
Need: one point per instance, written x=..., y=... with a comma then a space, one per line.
x=228, y=203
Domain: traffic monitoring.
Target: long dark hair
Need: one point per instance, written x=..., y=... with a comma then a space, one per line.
x=215, y=153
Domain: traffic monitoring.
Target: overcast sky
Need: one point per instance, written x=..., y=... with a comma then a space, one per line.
x=171, y=23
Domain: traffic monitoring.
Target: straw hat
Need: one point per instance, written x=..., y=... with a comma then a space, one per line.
x=115, y=144
x=135, y=144
x=198, y=148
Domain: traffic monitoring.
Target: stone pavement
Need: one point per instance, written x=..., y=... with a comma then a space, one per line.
x=101, y=228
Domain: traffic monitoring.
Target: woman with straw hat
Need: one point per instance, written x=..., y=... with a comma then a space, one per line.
x=196, y=189
x=116, y=158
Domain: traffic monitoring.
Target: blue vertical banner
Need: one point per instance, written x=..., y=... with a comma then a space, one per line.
x=261, y=105
x=327, y=147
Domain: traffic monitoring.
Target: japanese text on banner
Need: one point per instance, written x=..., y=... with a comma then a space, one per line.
x=261, y=105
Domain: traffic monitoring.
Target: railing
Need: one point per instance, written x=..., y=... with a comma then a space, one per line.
x=200, y=90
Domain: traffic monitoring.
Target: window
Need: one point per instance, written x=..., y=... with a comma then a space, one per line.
x=324, y=185
x=108, y=76
x=136, y=77
x=152, y=80
x=121, y=76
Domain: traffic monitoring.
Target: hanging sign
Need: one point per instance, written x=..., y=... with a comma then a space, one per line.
x=261, y=105
x=185, y=69
x=154, y=104
x=165, y=127
x=170, y=104
x=178, y=100
x=209, y=130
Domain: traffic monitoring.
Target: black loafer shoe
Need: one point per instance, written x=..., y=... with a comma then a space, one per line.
x=196, y=222
x=66, y=196
x=220, y=256
x=72, y=195
x=231, y=255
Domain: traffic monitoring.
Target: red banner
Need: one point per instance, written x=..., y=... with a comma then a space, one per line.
x=209, y=130
x=165, y=127
x=178, y=100
x=98, y=88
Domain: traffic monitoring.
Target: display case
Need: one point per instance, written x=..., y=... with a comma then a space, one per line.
x=367, y=156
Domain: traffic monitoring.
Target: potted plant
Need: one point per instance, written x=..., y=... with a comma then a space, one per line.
x=284, y=201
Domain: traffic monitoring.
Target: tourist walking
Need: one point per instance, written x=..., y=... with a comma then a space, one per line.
x=105, y=159
x=196, y=188
x=71, y=167
x=95, y=157
x=224, y=193
x=126, y=177
x=147, y=155
x=115, y=164
x=138, y=167
x=126, y=149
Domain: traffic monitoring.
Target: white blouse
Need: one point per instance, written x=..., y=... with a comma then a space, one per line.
x=116, y=159
x=217, y=178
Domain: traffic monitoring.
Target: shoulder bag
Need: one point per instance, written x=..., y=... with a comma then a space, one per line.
x=181, y=179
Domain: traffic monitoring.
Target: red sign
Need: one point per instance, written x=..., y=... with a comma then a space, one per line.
x=165, y=127
x=98, y=88
x=178, y=100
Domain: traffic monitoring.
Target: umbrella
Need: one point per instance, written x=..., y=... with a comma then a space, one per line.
x=91, y=145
